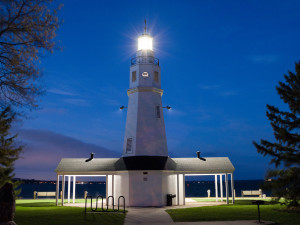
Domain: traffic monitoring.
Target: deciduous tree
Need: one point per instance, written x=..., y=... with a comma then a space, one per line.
x=27, y=31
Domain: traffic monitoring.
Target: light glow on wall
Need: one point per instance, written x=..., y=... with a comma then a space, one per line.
x=145, y=42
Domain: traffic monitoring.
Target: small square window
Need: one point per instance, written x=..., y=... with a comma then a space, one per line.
x=133, y=76
x=156, y=76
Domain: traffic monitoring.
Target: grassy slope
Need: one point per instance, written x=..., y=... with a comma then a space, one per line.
x=242, y=210
x=31, y=212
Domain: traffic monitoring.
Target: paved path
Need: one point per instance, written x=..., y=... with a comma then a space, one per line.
x=147, y=216
x=158, y=216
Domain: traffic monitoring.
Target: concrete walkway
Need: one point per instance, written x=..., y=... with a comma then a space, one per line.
x=147, y=216
x=158, y=216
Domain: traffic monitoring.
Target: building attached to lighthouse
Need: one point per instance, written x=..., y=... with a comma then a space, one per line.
x=145, y=174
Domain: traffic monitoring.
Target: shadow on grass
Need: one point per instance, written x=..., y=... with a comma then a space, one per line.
x=249, y=202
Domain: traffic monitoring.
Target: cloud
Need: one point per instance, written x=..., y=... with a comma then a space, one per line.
x=208, y=87
x=58, y=111
x=77, y=101
x=61, y=92
x=217, y=89
x=228, y=93
x=44, y=150
x=265, y=58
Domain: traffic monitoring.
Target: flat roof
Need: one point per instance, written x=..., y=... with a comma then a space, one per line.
x=102, y=166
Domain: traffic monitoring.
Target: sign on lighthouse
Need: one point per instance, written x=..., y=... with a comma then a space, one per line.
x=145, y=133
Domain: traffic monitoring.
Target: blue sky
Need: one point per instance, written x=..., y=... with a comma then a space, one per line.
x=220, y=62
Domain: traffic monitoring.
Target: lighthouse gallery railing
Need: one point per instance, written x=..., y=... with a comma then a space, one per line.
x=144, y=60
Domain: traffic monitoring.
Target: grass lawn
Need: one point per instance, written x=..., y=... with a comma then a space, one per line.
x=44, y=211
x=241, y=210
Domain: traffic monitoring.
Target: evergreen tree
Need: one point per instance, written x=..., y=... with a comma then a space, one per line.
x=284, y=180
x=9, y=151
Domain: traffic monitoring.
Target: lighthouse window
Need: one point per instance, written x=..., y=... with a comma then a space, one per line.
x=133, y=76
x=158, y=111
x=145, y=74
x=129, y=145
x=156, y=76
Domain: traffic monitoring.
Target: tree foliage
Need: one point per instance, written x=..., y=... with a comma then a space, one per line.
x=9, y=151
x=27, y=31
x=284, y=181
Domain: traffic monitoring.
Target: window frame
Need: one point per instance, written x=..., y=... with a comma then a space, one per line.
x=133, y=76
x=157, y=112
x=129, y=150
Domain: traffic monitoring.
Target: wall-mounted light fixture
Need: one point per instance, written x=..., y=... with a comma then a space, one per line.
x=123, y=107
x=198, y=155
x=92, y=156
x=168, y=107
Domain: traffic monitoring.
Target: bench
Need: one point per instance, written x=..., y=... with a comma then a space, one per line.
x=252, y=193
x=43, y=194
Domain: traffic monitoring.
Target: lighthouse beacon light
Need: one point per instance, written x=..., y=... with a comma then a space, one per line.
x=145, y=42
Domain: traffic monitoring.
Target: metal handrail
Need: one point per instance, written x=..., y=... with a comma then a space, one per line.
x=144, y=60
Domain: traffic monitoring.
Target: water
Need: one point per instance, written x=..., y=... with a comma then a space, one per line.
x=192, y=188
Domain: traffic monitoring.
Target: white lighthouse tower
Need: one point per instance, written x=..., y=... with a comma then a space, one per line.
x=145, y=129
x=145, y=175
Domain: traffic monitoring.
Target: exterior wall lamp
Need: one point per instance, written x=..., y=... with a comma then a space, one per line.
x=168, y=107
x=123, y=107
x=198, y=155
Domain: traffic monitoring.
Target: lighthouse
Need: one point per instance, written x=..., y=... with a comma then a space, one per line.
x=145, y=175
x=145, y=133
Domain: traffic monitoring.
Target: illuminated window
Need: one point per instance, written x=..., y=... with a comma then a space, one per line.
x=155, y=76
x=158, y=111
x=133, y=76
x=145, y=74
x=129, y=145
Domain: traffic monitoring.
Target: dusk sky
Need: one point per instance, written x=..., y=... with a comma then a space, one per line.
x=220, y=62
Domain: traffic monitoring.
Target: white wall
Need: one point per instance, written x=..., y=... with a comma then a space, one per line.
x=174, y=184
x=151, y=189
x=121, y=187
x=145, y=189
x=181, y=189
x=109, y=186
x=169, y=187
x=148, y=131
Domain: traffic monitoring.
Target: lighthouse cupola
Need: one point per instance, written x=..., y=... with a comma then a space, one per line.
x=145, y=130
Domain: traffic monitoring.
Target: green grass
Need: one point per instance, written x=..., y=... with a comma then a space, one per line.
x=206, y=199
x=241, y=210
x=44, y=211
x=212, y=199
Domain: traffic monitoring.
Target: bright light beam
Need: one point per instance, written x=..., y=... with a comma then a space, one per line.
x=145, y=42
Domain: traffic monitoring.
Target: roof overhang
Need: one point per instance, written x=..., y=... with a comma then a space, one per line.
x=105, y=166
